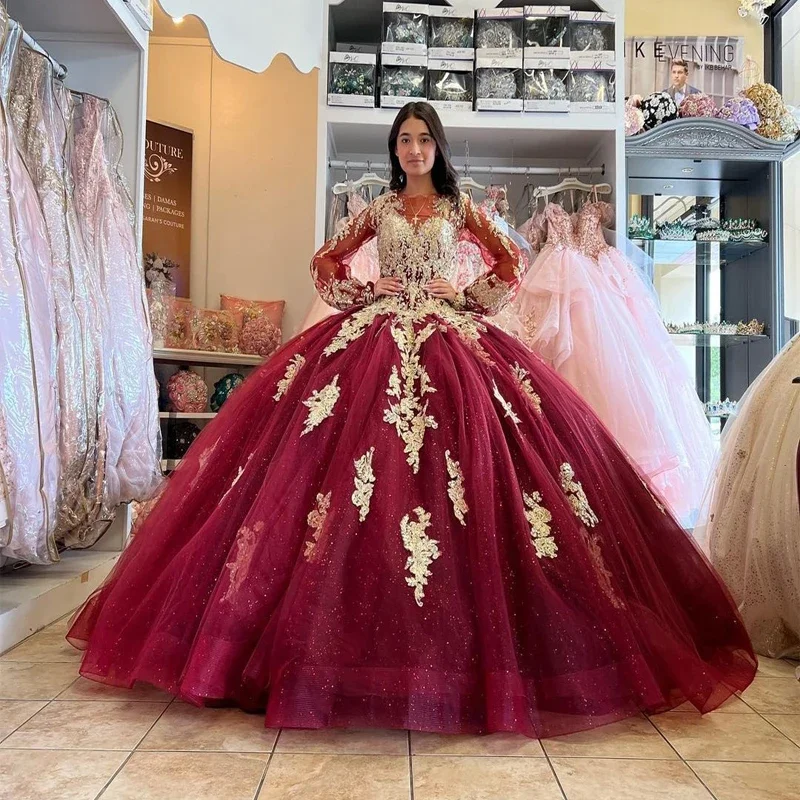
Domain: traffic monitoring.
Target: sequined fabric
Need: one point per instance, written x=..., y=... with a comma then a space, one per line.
x=132, y=450
x=752, y=527
x=588, y=312
x=29, y=463
x=42, y=113
x=421, y=486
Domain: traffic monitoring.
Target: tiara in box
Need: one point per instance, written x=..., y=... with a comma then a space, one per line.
x=675, y=231
x=752, y=328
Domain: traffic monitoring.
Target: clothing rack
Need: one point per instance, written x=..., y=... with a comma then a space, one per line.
x=59, y=70
x=381, y=166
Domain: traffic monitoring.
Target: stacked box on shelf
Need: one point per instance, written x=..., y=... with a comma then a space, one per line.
x=353, y=79
x=404, y=54
x=451, y=59
x=499, y=35
x=546, y=58
x=593, y=62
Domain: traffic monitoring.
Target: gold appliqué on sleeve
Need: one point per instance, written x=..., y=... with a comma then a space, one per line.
x=321, y=404
x=539, y=519
x=246, y=540
x=364, y=484
x=409, y=386
x=293, y=367
x=423, y=551
x=316, y=521
x=488, y=294
x=455, y=488
x=506, y=405
x=524, y=381
x=577, y=497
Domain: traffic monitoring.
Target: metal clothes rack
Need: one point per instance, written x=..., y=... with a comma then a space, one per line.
x=59, y=70
x=381, y=166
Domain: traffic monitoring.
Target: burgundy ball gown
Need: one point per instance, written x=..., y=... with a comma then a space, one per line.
x=406, y=520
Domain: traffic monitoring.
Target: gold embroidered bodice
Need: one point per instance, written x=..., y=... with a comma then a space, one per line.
x=417, y=242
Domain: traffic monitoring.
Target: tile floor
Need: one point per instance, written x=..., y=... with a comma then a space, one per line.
x=65, y=738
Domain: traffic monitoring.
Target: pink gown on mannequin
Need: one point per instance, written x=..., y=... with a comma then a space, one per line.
x=133, y=448
x=29, y=466
x=586, y=311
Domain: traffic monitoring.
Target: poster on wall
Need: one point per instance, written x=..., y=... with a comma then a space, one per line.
x=167, y=230
x=682, y=65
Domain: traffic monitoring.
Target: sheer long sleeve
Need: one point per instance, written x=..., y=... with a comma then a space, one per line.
x=330, y=269
x=490, y=292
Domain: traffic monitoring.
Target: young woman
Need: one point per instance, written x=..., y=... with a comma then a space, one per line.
x=404, y=519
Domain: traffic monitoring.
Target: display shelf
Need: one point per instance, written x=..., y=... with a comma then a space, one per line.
x=186, y=415
x=205, y=358
x=500, y=135
x=713, y=340
x=169, y=464
x=729, y=251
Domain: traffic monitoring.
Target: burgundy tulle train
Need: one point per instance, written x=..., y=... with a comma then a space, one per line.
x=413, y=527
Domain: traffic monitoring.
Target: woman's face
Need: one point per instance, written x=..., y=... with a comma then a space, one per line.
x=416, y=149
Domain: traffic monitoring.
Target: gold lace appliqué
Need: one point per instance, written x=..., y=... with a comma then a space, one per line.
x=321, y=404
x=507, y=407
x=455, y=488
x=408, y=386
x=524, y=381
x=364, y=484
x=539, y=519
x=316, y=521
x=603, y=573
x=246, y=540
x=577, y=497
x=423, y=551
x=292, y=369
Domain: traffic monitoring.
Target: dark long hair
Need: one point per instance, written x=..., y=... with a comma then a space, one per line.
x=444, y=175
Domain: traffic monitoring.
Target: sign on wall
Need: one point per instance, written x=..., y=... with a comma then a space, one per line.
x=682, y=65
x=167, y=230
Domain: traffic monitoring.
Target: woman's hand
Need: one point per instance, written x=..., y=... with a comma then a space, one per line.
x=390, y=287
x=440, y=288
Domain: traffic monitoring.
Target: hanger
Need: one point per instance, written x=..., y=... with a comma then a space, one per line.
x=468, y=182
x=574, y=183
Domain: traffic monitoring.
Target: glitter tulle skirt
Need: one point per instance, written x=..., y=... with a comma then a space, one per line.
x=409, y=521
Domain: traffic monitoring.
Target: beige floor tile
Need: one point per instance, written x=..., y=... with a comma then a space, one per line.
x=84, y=689
x=787, y=724
x=21, y=680
x=467, y=778
x=86, y=726
x=51, y=774
x=729, y=781
x=351, y=741
x=726, y=737
x=733, y=705
x=336, y=777
x=629, y=738
x=773, y=696
x=618, y=779
x=188, y=776
x=775, y=668
x=14, y=712
x=495, y=744
x=185, y=727
x=46, y=645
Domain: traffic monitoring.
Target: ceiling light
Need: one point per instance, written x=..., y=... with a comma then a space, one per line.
x=177, y=20
x=688, y=170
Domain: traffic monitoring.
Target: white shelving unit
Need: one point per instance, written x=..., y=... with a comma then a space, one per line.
x=499, y=139
x=104, y=49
